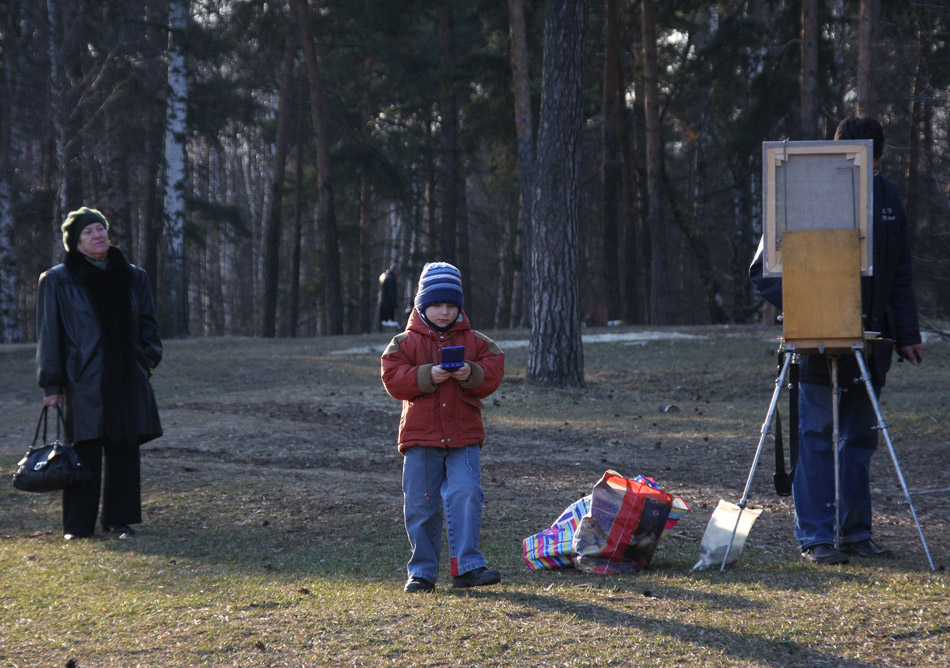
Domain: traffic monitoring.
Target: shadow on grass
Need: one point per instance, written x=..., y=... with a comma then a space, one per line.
x=778, y=653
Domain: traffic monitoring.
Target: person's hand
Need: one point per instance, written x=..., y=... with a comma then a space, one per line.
x=52, y=400
x=463, y=373
x=439, y=375
x=913, y=354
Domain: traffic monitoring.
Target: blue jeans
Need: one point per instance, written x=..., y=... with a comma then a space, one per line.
x=437, y=481
x=813, y=488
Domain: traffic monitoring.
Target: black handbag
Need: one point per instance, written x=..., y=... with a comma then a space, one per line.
x=50, y=466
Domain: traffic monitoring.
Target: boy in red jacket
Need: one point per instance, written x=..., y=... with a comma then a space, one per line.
x=441, y=430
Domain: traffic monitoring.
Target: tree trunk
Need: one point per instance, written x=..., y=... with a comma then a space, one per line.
x=524, y=127
x=556, y=355
x=612, y=179
x=174, y=283
x=326, y=211
x=297, y=241
x=272, y=227
x=9, y=320
x=867, y=28
x=366, y=295
x=809, y=49
x=913, y=187
x=450, y=132
x=156, y=41
x=660, y=306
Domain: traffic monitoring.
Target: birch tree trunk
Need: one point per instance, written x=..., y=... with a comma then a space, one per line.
x=174, y=283
x=556, y=355
x=524, y=127
x=326, y=212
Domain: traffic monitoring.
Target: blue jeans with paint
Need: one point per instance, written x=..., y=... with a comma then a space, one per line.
x=813, y=488
x=438, y=481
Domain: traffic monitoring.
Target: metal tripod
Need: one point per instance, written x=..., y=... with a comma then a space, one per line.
x=856, y=350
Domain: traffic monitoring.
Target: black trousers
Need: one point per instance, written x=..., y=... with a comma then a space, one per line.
x=118, y=481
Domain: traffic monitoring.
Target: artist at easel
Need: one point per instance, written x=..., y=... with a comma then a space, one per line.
x=888, y=306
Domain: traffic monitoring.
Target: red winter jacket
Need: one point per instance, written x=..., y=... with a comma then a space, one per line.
x=448, y=415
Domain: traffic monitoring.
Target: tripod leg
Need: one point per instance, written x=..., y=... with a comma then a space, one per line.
x=766, y=427
x=866, y=377
x=836, y=445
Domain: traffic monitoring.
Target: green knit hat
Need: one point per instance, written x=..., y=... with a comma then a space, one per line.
x=75, y=222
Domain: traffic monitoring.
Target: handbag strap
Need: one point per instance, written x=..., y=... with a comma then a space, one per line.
x=43, y=422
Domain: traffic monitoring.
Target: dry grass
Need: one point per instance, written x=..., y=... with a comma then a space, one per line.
x=273, y=532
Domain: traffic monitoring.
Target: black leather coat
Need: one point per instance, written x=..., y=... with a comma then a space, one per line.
x=69, y=355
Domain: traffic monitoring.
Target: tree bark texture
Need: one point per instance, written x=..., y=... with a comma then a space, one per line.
x=524, y=128
x=173, y=318
x=661, y=310
x=556, y=355
x=449, y=108
x=867, y=29
x=809, y=49
x=612, y=180
x=274, y=222
x=326, y=211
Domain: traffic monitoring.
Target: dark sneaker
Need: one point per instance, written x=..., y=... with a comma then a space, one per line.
x=867, y=548
x=824, y=554
x=419, y=586
x=478, y=578
x=122, y=530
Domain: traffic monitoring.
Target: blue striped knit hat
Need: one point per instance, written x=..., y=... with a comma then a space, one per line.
x=439, y=283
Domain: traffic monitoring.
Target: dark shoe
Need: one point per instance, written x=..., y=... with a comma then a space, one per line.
x=867, y=548
x=121, y=529
x=824, y=554
x=419, y=586
x=478, y=578
x=74, y=536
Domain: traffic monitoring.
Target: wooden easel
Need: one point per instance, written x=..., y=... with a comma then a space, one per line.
x=821, y=300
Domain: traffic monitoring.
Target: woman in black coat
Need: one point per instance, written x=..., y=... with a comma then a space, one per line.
x=97, y=344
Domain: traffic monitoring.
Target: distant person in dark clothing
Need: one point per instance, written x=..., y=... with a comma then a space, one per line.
x=388, y=297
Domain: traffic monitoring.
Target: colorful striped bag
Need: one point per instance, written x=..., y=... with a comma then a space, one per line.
x=627, y=519
x=552, y=548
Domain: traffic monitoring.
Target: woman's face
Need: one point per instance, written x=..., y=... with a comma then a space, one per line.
x=442, y=315
x=94, y=241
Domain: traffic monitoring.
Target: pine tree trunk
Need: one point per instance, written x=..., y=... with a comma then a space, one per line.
x=660, y=306
x=809, y=49
x=272, y=227
x=556, y=354
x=612, y=179
x=326, y=211
x=867, y=27
x=449, y=107
x=524, y=127
x=9, y=325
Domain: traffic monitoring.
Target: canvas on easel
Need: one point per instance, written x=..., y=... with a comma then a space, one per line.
x=818, y=218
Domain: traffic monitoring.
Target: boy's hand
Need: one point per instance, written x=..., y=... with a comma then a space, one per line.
x=439, y=375
x=463, y=373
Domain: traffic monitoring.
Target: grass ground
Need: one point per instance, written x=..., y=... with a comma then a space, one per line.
x=273, y=532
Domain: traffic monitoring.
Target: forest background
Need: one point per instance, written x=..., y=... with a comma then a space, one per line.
x=265, y=161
